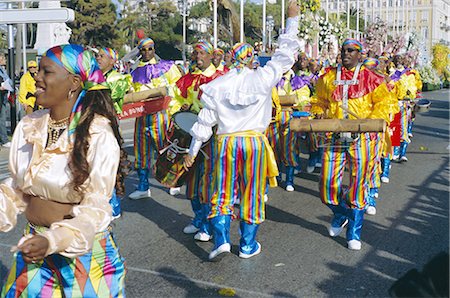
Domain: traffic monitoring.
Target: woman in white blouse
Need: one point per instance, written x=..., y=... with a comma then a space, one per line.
x=63, y=165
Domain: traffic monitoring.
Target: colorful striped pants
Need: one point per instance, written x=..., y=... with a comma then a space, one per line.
x=149, y=136
x=99, y=273
x=240, y=170
x=288, y=141
x=376, y=149
x=201, y=183
x=273, y=135
x=335, y=158
x=404, y=120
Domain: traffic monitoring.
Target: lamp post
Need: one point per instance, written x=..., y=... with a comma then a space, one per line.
x=270, y=23
x=183, y=9
x=264, y=26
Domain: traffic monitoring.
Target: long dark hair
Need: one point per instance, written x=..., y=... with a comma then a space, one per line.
x=95, y=102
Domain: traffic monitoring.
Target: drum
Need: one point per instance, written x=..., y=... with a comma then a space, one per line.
x=169, y=170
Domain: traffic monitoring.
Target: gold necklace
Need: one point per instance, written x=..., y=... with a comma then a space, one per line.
x=54, y=129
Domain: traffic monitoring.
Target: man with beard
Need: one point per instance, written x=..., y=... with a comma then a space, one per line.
x=344, y=92
x=150, y=130
x=27, y=87
x=187, y=98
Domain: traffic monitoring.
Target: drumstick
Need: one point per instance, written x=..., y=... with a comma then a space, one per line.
x=350, y=112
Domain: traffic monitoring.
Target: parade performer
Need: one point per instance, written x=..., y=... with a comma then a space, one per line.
x=27, y=87
x=150, y=130
x=217, y=60
x=240, y=104
x=343, y=91
x=118, y=85
x=187, y=98
x=389, y=137
x=406, y=90
x=64, y=161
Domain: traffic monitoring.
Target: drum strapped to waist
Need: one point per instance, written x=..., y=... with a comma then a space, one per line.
x=169, y=170
x=143, y=103
x=338, y=125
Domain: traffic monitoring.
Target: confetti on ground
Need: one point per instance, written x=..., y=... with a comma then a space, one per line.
x=279, y=264
x=423, y=148
x=229, y=292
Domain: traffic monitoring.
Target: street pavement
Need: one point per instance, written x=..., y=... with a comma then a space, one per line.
x=298, y=258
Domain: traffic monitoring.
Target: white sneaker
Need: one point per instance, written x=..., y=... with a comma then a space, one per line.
x=403, y=158
x=202, y=236
x=395, y=157
x=410, y=135
x=354, y=244
x=334, y=232
x=246, y=256
x=376, y=195
x=371, y=210
x=290, y=188
x=190, y=229
x=310, y=169
x=266, y=198
x=385, y=179
x=140, y=194
x=226, y=247
x=318, y=165
x=7, y=145
x=175, y=191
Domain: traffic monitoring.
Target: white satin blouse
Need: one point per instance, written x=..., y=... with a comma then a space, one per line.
x=43, y=172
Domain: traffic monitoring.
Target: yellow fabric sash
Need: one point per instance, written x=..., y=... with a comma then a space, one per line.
x=272, y=168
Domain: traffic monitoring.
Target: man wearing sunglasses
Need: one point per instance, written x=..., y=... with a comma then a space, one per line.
x=349, y=91
x=150, y=130
x=27, y=87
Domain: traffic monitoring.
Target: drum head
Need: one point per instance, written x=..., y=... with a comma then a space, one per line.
x=185, y=120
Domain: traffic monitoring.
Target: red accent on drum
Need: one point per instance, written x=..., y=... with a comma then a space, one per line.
x=142, y=108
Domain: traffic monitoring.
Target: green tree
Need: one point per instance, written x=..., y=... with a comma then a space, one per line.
x=95, y=22
x=159, y=20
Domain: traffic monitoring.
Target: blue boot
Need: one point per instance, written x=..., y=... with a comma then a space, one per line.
x=410, y=127
x=339, y=220
x=290, y=178
x=221, y=231
x=403, y=147
x=115, y=205
x=355, y=222
x=396, y=153
x=248, y=246
x=386, y=166
x=143, y=189
x=373, y=195
x=204, y=234
x=194, y=226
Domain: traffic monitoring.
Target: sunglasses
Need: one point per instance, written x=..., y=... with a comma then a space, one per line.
x=146, y=49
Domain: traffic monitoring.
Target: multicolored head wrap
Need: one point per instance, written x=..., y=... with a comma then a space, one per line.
x=205, y=46
x=145, y=43
x=384, y=58
x=77, y=61
x=111, y=53
x=219, y=51
x=371, y=62
x=242, y=54
x=353, y=43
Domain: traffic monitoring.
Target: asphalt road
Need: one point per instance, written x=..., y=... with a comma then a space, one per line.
x=298, y=257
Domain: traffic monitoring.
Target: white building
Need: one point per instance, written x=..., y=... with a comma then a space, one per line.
x=429, y=18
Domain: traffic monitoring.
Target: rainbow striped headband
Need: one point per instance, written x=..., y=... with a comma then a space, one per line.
x=219, y=51
x=371, y=62
x=145, y=43
x=111, y=53
x=242, y=54
x=77, y=61
x=205, y=46
x=353, y=43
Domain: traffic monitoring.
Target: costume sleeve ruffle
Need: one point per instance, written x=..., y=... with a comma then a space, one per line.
x=202, y=129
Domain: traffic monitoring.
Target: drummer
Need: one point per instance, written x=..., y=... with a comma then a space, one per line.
x=240, y=104
x=150, y=130
x=366, y=100
x=187, y=98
